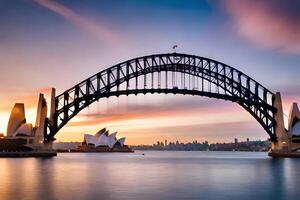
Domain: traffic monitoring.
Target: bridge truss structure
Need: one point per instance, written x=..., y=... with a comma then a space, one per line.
x=173, y=73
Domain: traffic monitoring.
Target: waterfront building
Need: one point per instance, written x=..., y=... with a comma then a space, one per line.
x=16, y=119
x=236, y=140
x=23, y=136
x=103, y=141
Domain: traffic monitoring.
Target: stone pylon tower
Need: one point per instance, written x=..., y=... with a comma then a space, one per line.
x=288, y=140
x=52, y=105
x=282, y=142
x=40, y=119
x=48, y=144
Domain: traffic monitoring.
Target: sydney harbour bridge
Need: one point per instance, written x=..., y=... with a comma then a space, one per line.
x=176, y=73
x=167, y=73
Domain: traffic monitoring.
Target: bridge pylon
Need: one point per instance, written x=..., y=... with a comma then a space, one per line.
x=52, y=105
x=48, y=144
x=288, y=139
x=282, y=139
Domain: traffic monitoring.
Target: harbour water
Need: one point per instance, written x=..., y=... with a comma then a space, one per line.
x=155, y=175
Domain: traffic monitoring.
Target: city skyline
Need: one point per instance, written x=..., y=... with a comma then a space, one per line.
x=57, y=44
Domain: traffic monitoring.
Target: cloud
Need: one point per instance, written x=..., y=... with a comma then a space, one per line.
x=269, y=24
x=182, y=104
x=98, y=30
x=204, y=109
x=11, y=95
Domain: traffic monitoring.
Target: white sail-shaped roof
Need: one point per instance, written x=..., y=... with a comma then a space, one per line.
x=113, y=135
x=89, y=139
x=112, y=139
x=102, y=140
x=105, y=140
x=98, y=134
x=16, y=119
x=24, y=130
x=121, y=141
x=106, y=133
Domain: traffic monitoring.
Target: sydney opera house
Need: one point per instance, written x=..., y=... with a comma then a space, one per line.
x=102, y=141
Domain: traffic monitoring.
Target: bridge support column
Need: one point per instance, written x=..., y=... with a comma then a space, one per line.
x=40, y=119
x=283, y=142
x=48, y=145
x=52, y=105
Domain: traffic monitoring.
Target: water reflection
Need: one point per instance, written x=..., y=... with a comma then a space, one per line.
x=157, y=175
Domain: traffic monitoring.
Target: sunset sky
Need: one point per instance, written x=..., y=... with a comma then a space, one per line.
x=46, y=44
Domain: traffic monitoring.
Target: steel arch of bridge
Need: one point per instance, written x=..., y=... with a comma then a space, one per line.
x=167, y=73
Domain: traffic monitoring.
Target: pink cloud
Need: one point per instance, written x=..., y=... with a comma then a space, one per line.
x=98, y=30
x=269, y=24
x=165, y=110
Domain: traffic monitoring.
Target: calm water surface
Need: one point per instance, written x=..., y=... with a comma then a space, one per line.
x=156, y=175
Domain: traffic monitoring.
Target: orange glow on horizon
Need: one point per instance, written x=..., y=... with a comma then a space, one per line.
x=148, y=125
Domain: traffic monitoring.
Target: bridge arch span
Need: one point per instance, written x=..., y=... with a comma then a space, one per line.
x=174, y=73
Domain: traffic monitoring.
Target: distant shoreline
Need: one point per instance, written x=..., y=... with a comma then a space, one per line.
x=247, y=146
x=202, y=150
x=139, y=150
